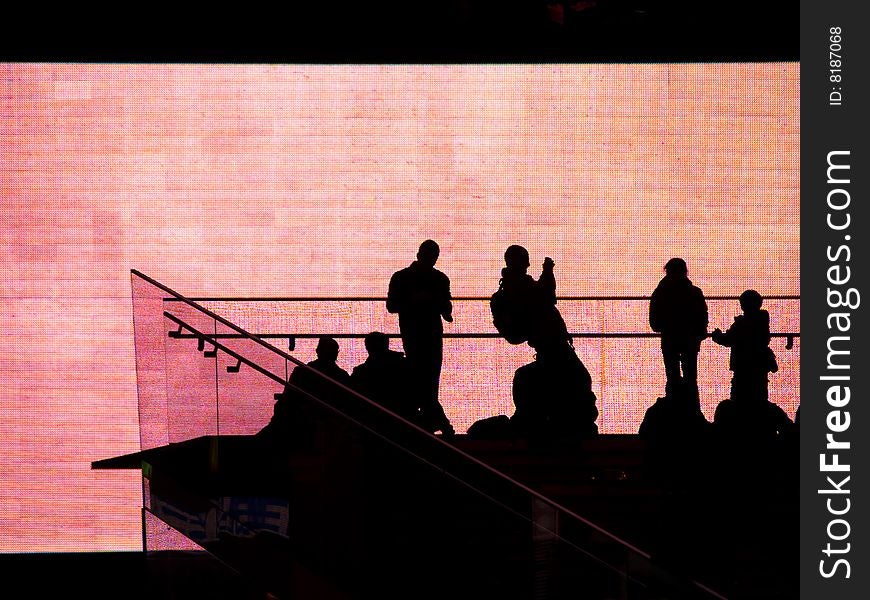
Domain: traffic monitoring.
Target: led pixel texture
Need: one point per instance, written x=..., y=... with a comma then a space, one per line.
x=320, y=180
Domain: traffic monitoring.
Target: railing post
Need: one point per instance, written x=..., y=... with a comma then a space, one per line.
x=545, y=535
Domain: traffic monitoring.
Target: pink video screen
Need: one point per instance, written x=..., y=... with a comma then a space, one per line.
x=258, y=182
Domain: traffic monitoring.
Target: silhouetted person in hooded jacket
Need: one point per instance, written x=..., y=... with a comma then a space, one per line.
x=385, y=378
x=751, y=357
x=678, y=311
x=420, y=294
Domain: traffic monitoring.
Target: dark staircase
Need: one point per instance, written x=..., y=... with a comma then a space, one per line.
x=348, y=501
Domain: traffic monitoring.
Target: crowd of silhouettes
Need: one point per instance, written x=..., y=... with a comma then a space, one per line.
x=705, y=469
x=552, y=395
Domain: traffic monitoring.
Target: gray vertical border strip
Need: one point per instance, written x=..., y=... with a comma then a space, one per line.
x=826, y=128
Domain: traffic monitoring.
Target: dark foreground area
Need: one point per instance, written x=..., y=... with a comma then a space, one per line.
x=123, y=575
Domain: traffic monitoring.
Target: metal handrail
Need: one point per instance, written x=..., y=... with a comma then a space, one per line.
x=456, y=335
x=454, y=298
x=292, y=337
x=789, y=335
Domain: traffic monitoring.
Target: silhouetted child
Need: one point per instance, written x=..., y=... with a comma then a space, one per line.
x=678, y=311
x=751, y=357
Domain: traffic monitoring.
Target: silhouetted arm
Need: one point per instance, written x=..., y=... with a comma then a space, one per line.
x=394, y=295
x=703, y=314
x=547, y=282
x=726, y=338
x=765, y=318
x=655, y=311
x=446, y=304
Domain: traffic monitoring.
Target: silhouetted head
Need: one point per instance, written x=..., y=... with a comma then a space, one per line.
x=327, y=349
x=516, y=258
x=428, y=253
x=377, y=342
x=750, y=301
x=676, y=267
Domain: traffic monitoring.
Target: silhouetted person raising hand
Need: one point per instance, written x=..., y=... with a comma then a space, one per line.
x=420, y=294
x=530, y=311
x=678, y=311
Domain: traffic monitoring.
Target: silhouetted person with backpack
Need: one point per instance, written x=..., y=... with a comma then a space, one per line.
x=751, y=357
x=553, y=395
x=385, y=378
x=420, y=294
x=524, y=309
x=678, y=311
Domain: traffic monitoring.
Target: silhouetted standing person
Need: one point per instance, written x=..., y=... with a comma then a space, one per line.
x=420, y=294
x=678, y=311
x=751, y=357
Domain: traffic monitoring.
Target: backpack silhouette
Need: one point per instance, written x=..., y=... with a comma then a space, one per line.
x=507, y=317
